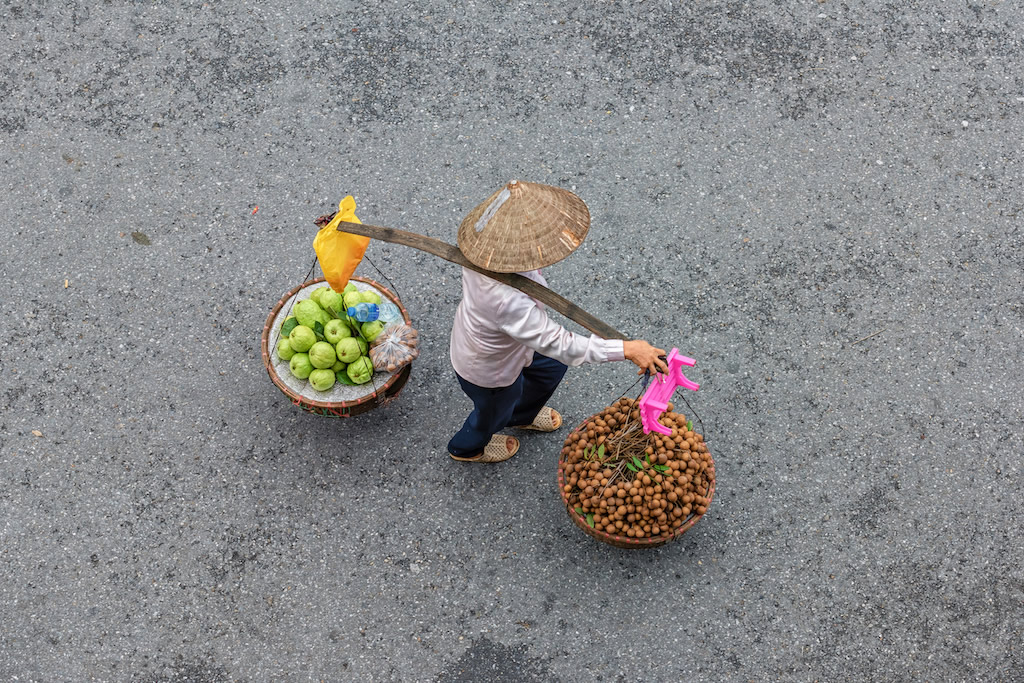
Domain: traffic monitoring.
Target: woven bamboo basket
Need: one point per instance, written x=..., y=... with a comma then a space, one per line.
x=625, y=541
x=342, y=400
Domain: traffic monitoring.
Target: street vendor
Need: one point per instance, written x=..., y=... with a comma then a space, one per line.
x=508, y=356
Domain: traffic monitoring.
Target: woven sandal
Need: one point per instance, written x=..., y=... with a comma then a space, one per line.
x=547, y=420
x=497, y=450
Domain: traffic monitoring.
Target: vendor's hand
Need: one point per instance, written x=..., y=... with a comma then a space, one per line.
x=646, y=357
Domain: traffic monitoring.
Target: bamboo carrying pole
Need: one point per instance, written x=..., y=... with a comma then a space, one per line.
x=453, y=254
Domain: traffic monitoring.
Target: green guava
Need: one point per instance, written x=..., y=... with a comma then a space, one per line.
x=371, y=329
x=364, y=348
x=332, y=300
x=350, y=287
x=338, y=367
x=317, y=293
x=324, y=317
x=300, y=365
x=352, y=299
x=301, y=338
x=348, y=349
x=308, y=312
x=284, y=349
x=322, y=379
x=371, y=297
x=361, y=370
x=336, y=330
x=322, y=355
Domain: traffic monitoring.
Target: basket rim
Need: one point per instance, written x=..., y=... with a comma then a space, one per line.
x=299, y=399
x=626, y=541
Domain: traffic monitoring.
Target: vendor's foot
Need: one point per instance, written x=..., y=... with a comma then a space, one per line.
x=547, y=420
x=499, y=448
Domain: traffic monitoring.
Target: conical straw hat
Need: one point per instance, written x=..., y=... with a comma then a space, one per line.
x=524, y=226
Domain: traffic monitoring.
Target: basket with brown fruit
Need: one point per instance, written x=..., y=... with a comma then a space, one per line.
x=632, y=488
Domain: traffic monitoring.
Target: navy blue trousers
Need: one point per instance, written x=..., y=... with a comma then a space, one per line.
x=515, y=405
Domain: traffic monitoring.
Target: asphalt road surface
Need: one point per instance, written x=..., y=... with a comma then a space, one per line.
x=819, y=201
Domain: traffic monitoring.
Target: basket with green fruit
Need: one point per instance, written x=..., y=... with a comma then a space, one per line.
x=320, y=357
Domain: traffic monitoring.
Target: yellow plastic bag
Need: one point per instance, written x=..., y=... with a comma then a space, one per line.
x=340, y=252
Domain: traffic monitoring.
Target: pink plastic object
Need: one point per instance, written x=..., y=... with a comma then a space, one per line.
x=655, y=399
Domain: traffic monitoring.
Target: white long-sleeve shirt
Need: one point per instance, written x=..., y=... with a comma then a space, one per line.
x=497, y=328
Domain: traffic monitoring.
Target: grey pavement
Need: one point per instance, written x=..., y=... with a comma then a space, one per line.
x=819, y=201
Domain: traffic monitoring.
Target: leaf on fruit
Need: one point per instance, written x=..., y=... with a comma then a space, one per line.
x=689, y=425
x=636, y=461
x=318, y=330
x=631, y=467
x=334, y=313
x=590, y=520
x=600, y=451
x=289, y=325
x=345, y=379
x=579, y=510
x=662, y=469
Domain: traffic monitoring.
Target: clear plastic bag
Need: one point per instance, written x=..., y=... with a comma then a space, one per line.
x=395, y=347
